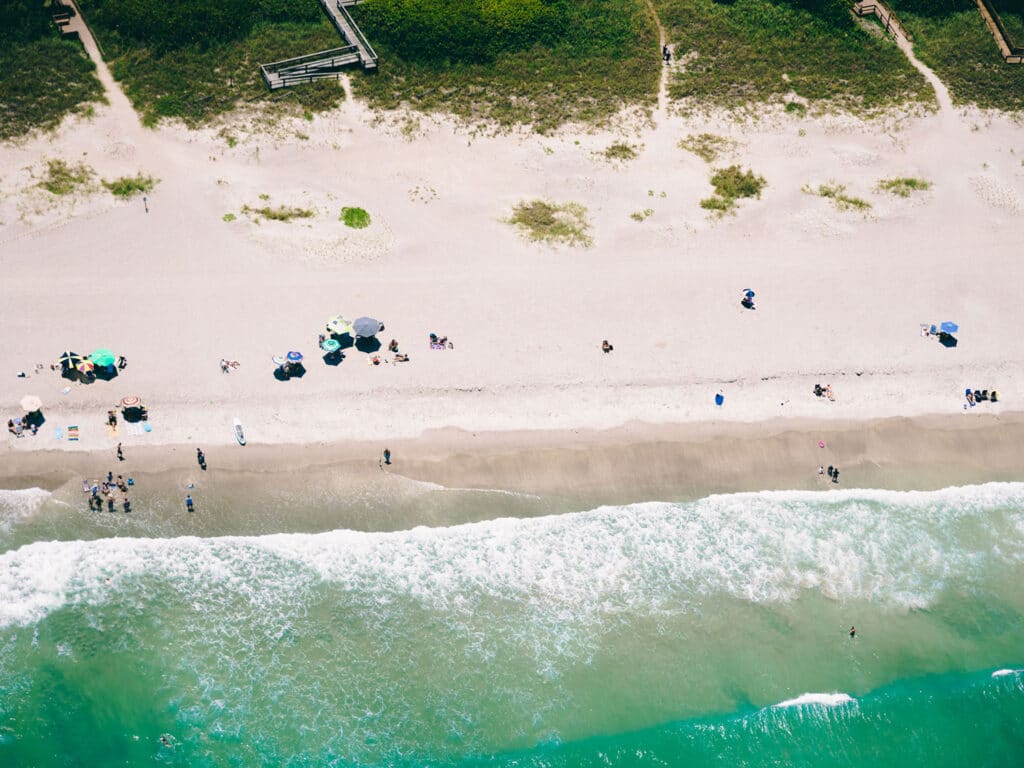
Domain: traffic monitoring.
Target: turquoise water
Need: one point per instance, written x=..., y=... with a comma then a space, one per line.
x=704, y=633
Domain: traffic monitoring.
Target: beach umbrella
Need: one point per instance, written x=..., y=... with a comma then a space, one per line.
x=294, y=357
x=748, y=293
x=366, y=327
x=86, y=366
x=330, y=345
x=131, y=401
x=279, y=360
x=949, y=327
x=103, y=357
x=31, y=404
x=339, y=326
x=69, y=360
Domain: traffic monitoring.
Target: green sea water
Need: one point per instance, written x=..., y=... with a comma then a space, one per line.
x=712, y=632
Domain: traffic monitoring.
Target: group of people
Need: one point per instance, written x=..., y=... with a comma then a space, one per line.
x=833, y=473
x=227, y=365
x=440, y=342
x=102, y=494
x=18, y=426
x=975, y=396
x=826, y=391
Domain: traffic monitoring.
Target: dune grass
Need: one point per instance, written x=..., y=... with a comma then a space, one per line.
x=837, y=194
x=196, y=60
x=43, y=78
x=63, y=178
x=357, y=218
x=283, y=213
x=544, y=221
x=512, y=62
x=129, y=186
x=621, y=151
x=707, y=146
x=950, y=36
x=747, y=52
x=732, y=184
x=903, y=187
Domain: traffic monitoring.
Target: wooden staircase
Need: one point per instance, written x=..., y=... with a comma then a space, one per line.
x=316, y=66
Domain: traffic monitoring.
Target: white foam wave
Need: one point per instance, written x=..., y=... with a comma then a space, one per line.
x=1006, y=672
x=817, y=700
x=892, y=548
x=18, y=505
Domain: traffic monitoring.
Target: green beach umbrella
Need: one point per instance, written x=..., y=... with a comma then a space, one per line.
x=102, y=357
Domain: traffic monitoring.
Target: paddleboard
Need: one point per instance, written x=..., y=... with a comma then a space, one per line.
x=239, y=432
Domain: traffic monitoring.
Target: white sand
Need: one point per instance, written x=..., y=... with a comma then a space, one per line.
x=840, y=295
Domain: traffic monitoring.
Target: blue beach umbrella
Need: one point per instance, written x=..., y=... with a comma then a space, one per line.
x=294, y=357
x=949, y=327
x=748, y=293
x=366, y=327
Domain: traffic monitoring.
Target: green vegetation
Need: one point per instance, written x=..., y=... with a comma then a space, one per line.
x=357, y=218
x=228, y=217
x=837, y=194
x=796, y=108
x=620, y=151
x=707, y=146
x=549, y=222
x=903, y=187
x=62, y=178
x=950, y=36
x=194, y=60
x=42, y=77
x=281, y=213
x=747, y=52
x=127, y=186
x=732, y=184
x=643, y=215
x=536, y=62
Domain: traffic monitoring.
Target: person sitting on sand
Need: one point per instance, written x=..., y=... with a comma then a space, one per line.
x=393, y=345
x=828, y=392
x=375, y=360
x=111, y=418
x=818, y=391
x=224, y=368
x=400, y=358
x=970, y=397
x=606, y=347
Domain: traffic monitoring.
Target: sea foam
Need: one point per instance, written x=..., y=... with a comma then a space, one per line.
x=817, y=700
x=896, y=549
x=19, y=505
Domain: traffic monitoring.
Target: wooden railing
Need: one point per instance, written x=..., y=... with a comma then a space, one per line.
x=888, y=19
x=1012, y=54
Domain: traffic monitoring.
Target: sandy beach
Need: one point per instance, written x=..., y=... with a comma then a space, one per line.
x=841, y=296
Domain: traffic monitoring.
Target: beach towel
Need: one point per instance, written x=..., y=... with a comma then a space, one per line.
x=437, y=346
x=58, y=433
x=73, y=433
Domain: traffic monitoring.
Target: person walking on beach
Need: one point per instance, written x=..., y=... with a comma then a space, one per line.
x=387, y=456
x=835, y=475
x=120, y=453
x=831, y=471
x=666, y=54
x=201, y=458
x=189, y=504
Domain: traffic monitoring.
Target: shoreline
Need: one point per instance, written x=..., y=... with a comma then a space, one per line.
x=440, y=478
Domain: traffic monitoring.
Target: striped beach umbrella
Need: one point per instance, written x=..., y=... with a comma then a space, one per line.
x=69, y=360
x=131, y=401
x=86, y=366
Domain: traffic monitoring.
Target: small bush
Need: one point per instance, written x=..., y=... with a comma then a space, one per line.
x=646, y=213
x=732, y=184
x=127, y=186
x=282, y=213
x=357, y=218
x=707, y=146
x=795, y=108
x=549, y=222
x=620, y=151
x=63, y=178
x=837, y=194
x=228, y=217
x=903, y=187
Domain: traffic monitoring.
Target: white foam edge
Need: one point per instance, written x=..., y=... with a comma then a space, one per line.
x=817, y=700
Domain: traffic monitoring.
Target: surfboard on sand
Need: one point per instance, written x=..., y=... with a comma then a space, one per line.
x=239, y=432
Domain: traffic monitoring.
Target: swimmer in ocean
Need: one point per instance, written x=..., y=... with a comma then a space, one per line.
x=853, y=631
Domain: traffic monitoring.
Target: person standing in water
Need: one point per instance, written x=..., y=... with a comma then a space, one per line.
x=853, y=631
x=189, y=504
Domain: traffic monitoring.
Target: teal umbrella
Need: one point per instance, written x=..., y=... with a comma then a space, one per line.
x=330, y=345
x=103, y=357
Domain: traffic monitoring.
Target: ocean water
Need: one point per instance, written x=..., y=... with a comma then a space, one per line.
x=713, y=632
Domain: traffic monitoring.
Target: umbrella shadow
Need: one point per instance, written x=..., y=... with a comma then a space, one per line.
x=106, y=373
x=368, y=344
x=295, y=371
x=334, y=358
x=947, y=341
x=35, y=418
x=344, y=339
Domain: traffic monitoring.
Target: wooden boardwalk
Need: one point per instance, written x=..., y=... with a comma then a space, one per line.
x=322, y=64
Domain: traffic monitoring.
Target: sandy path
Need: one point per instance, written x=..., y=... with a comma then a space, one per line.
x=665, y=70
